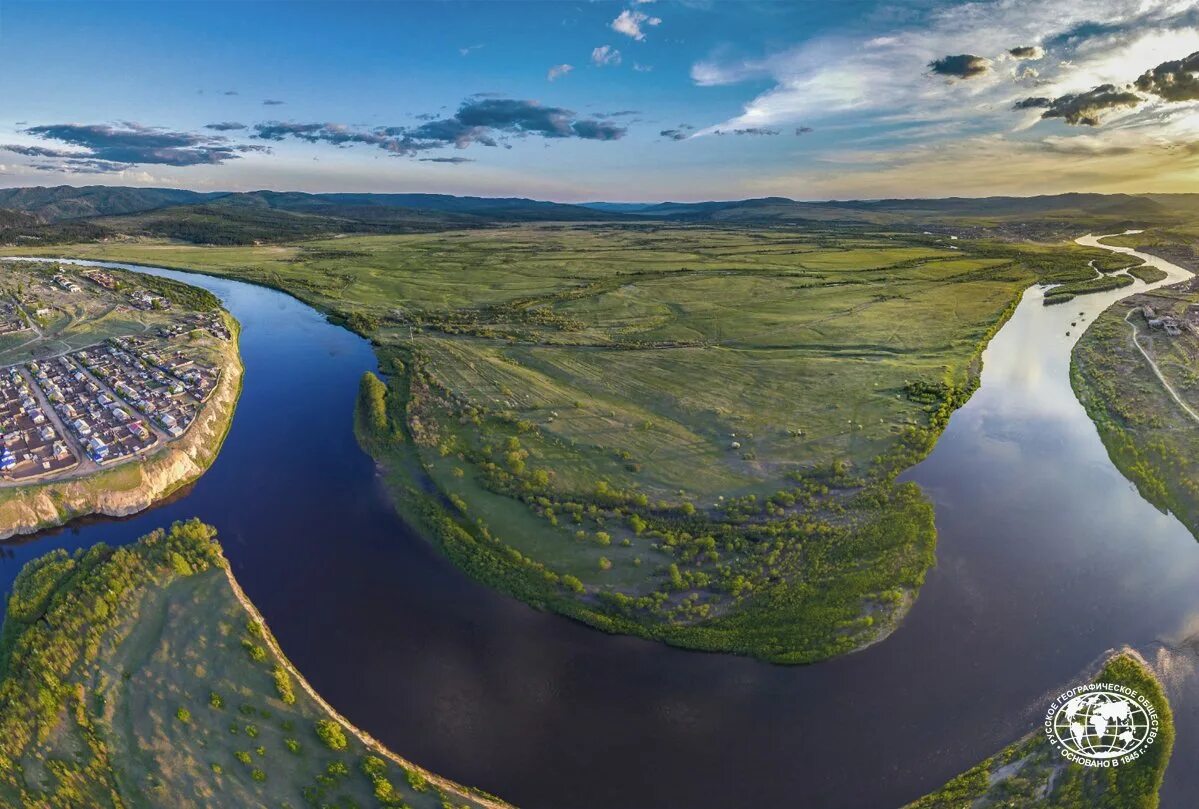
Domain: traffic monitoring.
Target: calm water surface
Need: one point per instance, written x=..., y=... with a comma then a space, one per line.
x=1047, y=559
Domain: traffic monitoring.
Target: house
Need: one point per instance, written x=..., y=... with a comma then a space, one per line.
x=97, y=449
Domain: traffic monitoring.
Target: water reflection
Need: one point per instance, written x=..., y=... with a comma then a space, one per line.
x=1047, y=558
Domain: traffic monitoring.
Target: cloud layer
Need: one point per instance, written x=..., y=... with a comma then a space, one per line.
x=105, y=148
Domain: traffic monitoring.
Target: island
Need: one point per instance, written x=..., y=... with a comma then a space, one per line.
x=685, y=433
x=116, y=389
x=1031, y=774
x=142, y=676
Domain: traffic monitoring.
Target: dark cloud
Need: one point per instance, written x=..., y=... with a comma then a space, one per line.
x=1032, y=103
x=133, y=144
x=961, y=66
x=513, y=115
x=225, y=126
x=38, y=151
x=803, y=130
x=454, y=160
x=1082, y=108
x=1173, y=81
x=598, y=130
x=479, y=120
x=680, y=132
x=272, y=102
x=1027, y=52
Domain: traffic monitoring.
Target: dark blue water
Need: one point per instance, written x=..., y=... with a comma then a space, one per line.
x=1047, y=558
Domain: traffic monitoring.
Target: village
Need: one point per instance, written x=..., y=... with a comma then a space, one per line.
x=1171, y=324
x=120, y=397
x=97, y=406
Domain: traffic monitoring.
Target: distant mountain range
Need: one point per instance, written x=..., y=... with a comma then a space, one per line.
x=67, y=213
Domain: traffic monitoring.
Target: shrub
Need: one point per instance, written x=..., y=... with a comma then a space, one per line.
x=283, y=685
x=331, y=734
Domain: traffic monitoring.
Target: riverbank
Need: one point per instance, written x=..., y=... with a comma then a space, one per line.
x=1032, y=774
x=445, y=667
x=144, y=676
x=1138, y=385
x=559, y=438
x=139, y=483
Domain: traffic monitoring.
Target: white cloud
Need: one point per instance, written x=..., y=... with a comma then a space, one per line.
x=629, y=23
x=558, y=71
x=885, y=74
x=605, y=55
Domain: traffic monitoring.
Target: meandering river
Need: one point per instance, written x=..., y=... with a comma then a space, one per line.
x=1047, y=558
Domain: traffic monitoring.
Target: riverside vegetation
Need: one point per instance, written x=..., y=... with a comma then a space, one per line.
x=140, y=676
x=1031, y=774
x=684, y=433
x=1150, y=438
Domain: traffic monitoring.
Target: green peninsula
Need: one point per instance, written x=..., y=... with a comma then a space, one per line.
x=141, y=676
x=684, y=433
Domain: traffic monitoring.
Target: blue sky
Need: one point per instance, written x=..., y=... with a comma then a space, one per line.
x=673, y=99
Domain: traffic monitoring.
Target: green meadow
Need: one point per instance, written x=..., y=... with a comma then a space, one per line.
x=141, y=677
x=685, y=433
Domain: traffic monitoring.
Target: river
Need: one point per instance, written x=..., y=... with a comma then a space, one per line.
x=1047, y=559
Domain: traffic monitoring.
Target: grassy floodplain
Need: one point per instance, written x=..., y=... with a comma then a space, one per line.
x=685, y=433
x=1148, y=435
x=1031, y=774
x=142, y=677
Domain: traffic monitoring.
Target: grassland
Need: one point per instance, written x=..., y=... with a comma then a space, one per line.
x=685, y=433
x=1031, y=774
x=1151, y=438
x=141, y=677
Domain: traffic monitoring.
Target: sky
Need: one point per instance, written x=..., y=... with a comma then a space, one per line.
x=617, y=101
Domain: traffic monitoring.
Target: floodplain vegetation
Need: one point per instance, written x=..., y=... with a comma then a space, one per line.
x=1150, y=437
x=1032, y=774
x=691, y=434
x=140, y=677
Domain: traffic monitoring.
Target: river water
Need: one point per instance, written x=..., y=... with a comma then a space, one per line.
x=1047, y=559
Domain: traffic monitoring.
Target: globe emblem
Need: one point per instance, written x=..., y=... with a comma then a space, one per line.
x=1101, y=725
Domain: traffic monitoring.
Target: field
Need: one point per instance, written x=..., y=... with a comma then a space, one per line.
x=140, y=677
x=686, y=433
x=1149, y=436
x=1031, y=774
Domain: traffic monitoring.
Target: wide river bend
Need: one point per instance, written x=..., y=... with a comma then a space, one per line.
x=1047, y=559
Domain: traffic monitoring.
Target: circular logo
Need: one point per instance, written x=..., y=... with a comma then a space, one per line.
x=1101, y=724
